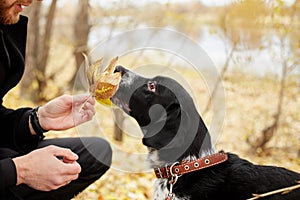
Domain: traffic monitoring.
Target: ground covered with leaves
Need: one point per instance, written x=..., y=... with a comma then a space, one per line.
x=250, y=103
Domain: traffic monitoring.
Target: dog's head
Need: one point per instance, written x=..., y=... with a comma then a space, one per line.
x=163, y=109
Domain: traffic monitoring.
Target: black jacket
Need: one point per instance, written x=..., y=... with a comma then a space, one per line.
x=14, y=127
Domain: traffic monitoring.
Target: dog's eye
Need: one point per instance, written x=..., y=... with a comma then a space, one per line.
x=151, y=86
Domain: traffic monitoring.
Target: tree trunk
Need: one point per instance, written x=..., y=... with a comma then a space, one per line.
x=119, y=117
x=269, y=131
x=81, y=32
x=32, y=53
x=44, y=53
x=219, y=79
x=38, y=53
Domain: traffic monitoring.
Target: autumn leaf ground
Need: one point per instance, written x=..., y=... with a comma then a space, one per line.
x=250, y=103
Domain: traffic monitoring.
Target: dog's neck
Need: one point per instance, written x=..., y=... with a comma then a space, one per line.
x=191, y=141
x=195, y=151
x=156, y=162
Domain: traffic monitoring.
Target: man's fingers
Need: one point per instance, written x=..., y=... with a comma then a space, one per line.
x=89, y=107
x=92, y=100
x=66, y=160
x=71, y=168
x=63, y=152
x=81, y=98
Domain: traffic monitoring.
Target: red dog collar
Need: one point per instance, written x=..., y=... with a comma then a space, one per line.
x=186, y=167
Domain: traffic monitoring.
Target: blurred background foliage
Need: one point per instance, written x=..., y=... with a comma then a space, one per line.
x=254, y=44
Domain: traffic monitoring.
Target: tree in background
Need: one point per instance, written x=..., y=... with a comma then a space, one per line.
x=32, y=51
x=240, y=27
x=40, y=39
x=284, y=22
x=81, y=33
x=38, y=53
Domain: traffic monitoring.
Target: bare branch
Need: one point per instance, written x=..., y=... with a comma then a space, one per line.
x=282, y=191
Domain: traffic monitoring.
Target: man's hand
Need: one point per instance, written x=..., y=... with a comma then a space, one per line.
x=43, y=170
x=65, y=112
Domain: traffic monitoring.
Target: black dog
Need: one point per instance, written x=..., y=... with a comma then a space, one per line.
x=180, y=149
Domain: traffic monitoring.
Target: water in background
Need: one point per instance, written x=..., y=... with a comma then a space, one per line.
x=259, y=61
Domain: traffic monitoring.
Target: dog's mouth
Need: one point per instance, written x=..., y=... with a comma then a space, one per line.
x=121, y=104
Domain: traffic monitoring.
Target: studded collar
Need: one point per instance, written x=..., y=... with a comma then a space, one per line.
x=178, y=169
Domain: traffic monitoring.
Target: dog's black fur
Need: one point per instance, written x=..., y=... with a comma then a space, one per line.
x=174, y=131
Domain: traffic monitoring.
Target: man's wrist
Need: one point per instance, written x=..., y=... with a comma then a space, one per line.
x=34, y=125
x=30, y=127
x=19, y=169
x=41, y=117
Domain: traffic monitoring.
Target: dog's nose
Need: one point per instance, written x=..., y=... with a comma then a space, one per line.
x=121, y=69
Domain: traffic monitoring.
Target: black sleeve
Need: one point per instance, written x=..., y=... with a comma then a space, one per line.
x=8, y=174
x=16, y=133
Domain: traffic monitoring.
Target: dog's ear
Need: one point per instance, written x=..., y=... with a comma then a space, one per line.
x=182, y=137
x=158, y=118
x=163, y=126
x=187, y=126
x=188, y=132
x=173, y=133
